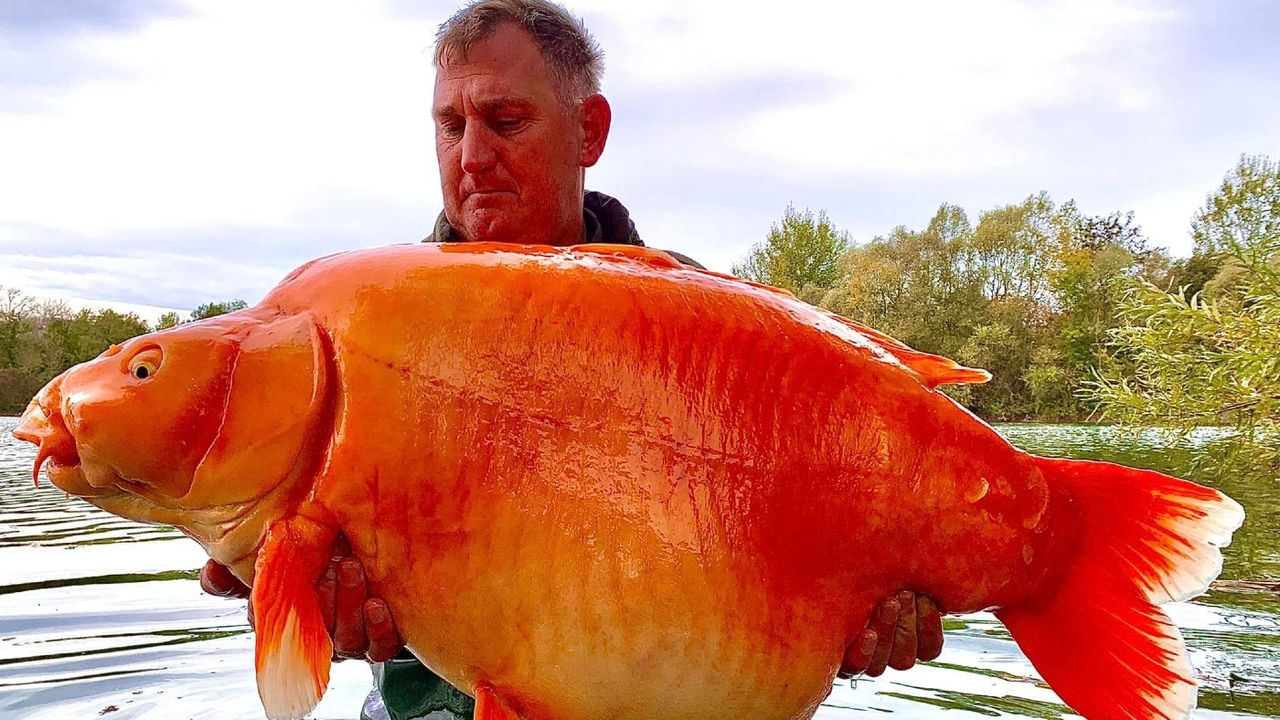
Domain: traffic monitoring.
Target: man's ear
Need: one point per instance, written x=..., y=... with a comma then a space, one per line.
x=595, y=116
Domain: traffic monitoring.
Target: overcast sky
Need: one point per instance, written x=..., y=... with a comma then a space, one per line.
x=158, y=154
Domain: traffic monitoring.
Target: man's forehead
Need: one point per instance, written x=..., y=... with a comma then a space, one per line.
x=485, y=103
x=485, y=93
x=506, y=62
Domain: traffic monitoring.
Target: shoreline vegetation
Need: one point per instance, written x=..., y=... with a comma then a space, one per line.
x=1078, y=319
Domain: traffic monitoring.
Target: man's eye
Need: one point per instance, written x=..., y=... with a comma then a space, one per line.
x=451, y=129
x=508, y=124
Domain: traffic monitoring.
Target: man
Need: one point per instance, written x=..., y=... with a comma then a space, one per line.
x=518, y=118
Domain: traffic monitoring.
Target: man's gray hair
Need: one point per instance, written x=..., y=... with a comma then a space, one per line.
x=575, y=60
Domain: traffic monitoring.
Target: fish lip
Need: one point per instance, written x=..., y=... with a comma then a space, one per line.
x=32, y=422
x=49, y=433
x=34, y=427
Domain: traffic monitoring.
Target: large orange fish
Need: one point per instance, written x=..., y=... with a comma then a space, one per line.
x=591, y=483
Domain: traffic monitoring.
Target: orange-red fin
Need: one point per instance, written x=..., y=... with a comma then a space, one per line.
x=933, y=370
x=490, y=707
x=292, y=650
x=646, y=255
x=1098, y=638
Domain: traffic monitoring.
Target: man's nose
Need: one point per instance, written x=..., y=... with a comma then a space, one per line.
x=478, y=152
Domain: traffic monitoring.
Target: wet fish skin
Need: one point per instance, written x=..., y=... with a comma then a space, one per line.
x=592, y=483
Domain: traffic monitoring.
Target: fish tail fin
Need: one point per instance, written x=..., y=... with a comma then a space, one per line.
x=292, y=649
x=1098, y=637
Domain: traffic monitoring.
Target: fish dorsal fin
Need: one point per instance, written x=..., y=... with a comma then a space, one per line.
x=648, y=256
x=934, y=370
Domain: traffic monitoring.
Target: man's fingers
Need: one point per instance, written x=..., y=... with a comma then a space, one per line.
x=349, y=639
x=327, y=594
x=858, y=655
x=902, y=655
x=341, y=547
x=929, y=624
x=884, y=623
x=216, y=579
x=384, y=641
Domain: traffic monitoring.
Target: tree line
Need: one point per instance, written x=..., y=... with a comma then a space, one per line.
x=41, y=338
x=1076, y=316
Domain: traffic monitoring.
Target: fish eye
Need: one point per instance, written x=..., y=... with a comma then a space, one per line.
x=145, y=364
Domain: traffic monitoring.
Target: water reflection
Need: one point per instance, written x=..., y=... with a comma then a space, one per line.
x=102, y=616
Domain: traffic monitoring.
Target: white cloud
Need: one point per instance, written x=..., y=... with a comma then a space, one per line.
x=913, y=87
x=244, y=138
x=243, y=112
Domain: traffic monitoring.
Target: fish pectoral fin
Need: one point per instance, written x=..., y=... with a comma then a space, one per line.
x=490, y=707
x=292, y=649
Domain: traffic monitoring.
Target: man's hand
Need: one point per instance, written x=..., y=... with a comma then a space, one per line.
x=216, y=579
x=904, y=628
x=361, y=626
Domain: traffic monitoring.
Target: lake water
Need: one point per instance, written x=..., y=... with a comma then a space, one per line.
x=104, y=617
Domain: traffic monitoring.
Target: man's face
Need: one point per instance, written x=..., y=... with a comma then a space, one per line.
x=511, y=153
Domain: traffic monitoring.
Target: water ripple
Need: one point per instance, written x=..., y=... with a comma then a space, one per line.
x=102, y=616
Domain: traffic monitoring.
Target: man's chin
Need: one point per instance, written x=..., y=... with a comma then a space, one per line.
x=492, y=225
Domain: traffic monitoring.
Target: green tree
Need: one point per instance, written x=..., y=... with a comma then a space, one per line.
x=1242, y=218
x=38, y=340
x=916, y=286
x=15, y=324
x=1014, y=250
x=803, y=251
x=1097, y=258
x=1191, y=274
x=213, y=309
x=1199, y=361
x=980, y=295
x=86, y=334
x=168, y=320
x=1051, y=382
x=1209, y=360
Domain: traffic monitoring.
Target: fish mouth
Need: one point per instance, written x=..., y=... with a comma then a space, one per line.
x=43, y=426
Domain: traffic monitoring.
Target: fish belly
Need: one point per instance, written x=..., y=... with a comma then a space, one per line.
x=570, y=617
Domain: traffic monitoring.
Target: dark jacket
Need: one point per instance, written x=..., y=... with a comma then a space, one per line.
x=604, y=220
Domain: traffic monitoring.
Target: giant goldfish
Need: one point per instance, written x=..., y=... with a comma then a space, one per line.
x=591, y=483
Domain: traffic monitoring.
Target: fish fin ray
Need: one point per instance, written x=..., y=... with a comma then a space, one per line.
x=490, y=707
x=648, y=256
x=292, y=649
x=933, y=370
x=1099, y=638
